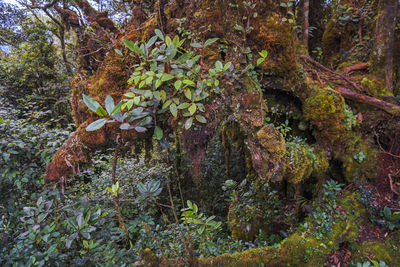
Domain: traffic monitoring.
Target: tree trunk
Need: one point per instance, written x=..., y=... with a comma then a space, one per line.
x=306, y=10
x=382, y=54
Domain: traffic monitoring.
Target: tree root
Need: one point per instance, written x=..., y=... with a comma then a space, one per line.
x=386, y=106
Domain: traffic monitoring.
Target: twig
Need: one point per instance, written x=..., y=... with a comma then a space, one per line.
x=382, y=149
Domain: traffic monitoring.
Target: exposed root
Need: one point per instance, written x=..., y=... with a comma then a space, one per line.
x=341, y=76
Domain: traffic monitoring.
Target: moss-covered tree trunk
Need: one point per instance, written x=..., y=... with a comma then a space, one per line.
x=382, y=53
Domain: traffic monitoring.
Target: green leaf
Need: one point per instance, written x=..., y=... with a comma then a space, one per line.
x=109, y=104
x=188, y=123
x=183, y=105
x=158, y=83
x=178, y=84
x=125, y=126
x=158, y=133
x=136, y=100
x=188, y=93
x=163, y=95
x=387, y=212
x=260, y=60
x=227, y=65
x=130, y=94
x=166, y=77
x=210, y=41
x=166, y=104
x=219, y=65
x=168, y=41
x=189, y=82
x=101, y=111
x=173, y=110
x=263, y=53
x=96, y=125
x=159, y=34
x=201, y=119
x=196, y=45
x=140, y=129
x=192, y=108
x=132, y=46
x=91, y=103
x=151, y=41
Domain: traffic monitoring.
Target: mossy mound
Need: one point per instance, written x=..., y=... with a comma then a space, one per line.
x=303, y=161
x=326, y=110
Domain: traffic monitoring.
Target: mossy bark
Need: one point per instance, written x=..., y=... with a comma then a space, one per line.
x=382, y=53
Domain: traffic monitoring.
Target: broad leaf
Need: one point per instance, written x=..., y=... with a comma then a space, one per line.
x=159, y=34
x=158, y=133
x=96, y=125
x=109, y=104
x=188, y=123
x=201, y=119
x=210, y=41
x=91, y=103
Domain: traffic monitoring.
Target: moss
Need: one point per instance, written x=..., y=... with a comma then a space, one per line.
x=271, y=140
x=267, y=149
x=374, y=87
x=301, y=248
x=149, y=258
x=359, y=158
x=251, y=110
x=387, y=251
x=326, y=110
x=300, y=165
x=245, y=224
x=276, y=37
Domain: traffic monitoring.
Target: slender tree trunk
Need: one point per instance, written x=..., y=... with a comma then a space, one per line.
x=382, y=54
x=306, y=10
x=64, y=53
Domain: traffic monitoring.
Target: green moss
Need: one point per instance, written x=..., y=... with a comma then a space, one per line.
x=272, y=141
x=374, y=87
x=300, y=166
x=359, y=157
x=326, y=110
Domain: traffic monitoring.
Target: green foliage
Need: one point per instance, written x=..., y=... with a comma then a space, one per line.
x=326, y=214
x=372, y=263
x=167, y=82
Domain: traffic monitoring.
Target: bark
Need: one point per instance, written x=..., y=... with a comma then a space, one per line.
x=382, y=54
x=386, y=106
x=306, y=10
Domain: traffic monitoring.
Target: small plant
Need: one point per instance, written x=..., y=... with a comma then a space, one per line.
x=392, y=219
x=360, y=157
x=325, y=214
